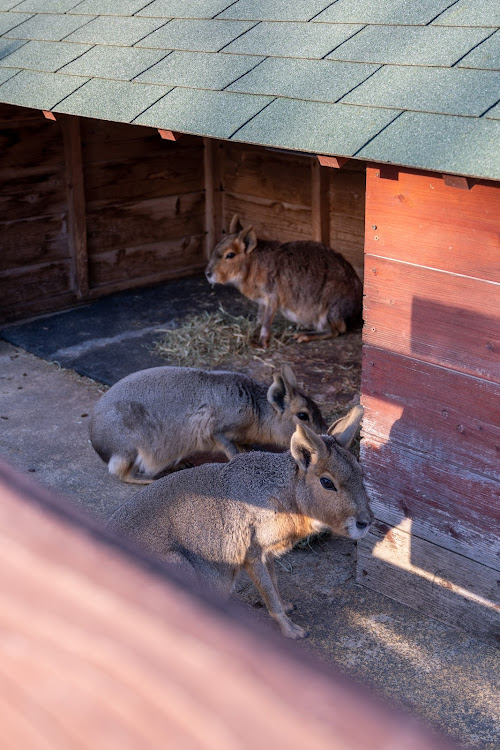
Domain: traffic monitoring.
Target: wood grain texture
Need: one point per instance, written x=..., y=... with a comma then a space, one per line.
x=432, y=580
x=320, y=202
x=447, y=504
x=75, y=193
x=347, y=213
x=213, y=164
x=32, y=283
x=271, y=219
x=450, y=416
x=421, y=220
x=120, y=655
x=449, y=320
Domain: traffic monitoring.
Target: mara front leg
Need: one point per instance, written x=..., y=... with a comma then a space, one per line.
x=265, y=317
x=258, y=571
x=287, y=606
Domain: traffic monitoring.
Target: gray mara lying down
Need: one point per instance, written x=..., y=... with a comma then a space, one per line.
x=215, y=519
x=154, y=419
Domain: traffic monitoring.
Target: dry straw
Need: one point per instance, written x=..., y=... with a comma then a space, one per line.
x=208, y=339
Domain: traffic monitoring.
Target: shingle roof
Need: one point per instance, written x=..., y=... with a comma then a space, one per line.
x=411, y=83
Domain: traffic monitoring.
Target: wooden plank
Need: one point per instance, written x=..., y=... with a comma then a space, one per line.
x=12, y=115
x=320, y=202
x=271, y=219
x=430, y=579
x=145, y=262
x=447, y=504
x=31, y=147
x=449, y=320
x=121, y=654
x=334, y=162
x=213, y=163
x=37, y=306
x=21, y=286
x=27, y=242
x=444, y=414
x=420, y=220
x=279, y=177
x=347, y=214
x=75, y=192
x=30, y=194
x=456, y=181
x=130, y=224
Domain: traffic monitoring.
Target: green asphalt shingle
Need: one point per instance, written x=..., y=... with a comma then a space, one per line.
x=183, y=9
x=118, y=101
x=48, y=27
x=410, y=45
x=211, y=113
x=204, y=70
x=11, y=21
x=342, y=77
x=7, y=46
x=287, y=39
x=38, y=90
x=6, y=73
x=445, y=143
x=410, y=12
x=115, y=30
x=316, y=80
x=44, y=56
x=450, y=91
x=316, y=126
x=196, y=35
x=472, y=13
x=109, y=7
x=485, y=56
x=120, y=63
x=275, y=10
x=46, y=6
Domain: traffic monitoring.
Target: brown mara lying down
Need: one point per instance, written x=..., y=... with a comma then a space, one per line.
x=152, y=420
x=309, y=283
x=215, y=519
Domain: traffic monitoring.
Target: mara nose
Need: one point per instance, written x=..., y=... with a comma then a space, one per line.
x=361, y=525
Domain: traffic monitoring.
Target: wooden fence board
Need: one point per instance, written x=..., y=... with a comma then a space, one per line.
x=450, y=416
x=432, y=580
x=448, y=505
x=420, y=219
x=347, y=214
x=449, y=320
x=38, y=240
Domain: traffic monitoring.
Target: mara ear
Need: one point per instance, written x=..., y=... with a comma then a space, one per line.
x=344, y=430
x=289, y=379
x=306, y=447
x=249, y=239
x=236, y=225
x=276, y=393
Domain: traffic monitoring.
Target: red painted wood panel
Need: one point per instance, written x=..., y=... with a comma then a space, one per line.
x=446, y=504
x=444, y=414
x=418, y=219
x=449, y=320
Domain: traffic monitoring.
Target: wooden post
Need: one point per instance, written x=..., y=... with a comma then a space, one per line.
x=77, y=225
x=213, y=157
x=320, y=203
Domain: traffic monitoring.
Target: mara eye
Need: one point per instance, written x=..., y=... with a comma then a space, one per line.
x=230, y=255
x=328, y=484
x=304, y=416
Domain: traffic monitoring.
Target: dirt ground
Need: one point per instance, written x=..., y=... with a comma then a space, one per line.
x=447, y=678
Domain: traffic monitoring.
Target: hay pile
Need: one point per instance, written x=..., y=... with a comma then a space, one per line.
x=210, y=338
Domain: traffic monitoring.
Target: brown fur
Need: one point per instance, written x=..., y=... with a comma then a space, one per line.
x=309, y=283
x=217, y=519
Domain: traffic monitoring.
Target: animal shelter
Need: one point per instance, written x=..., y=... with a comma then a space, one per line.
x=128, y=142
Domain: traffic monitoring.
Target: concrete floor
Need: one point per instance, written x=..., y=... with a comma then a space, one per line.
x=447, y=678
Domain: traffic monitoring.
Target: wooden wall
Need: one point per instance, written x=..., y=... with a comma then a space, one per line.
x=431, y=375
x=90, y=207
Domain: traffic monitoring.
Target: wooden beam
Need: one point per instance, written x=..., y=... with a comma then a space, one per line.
x=107, y=648
x=320, y=202
x=169, y=135
x=48, y=115
x=388, y=172
x=77, y=224
x=457, y=181
x=213, y=166
x=336, y=162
